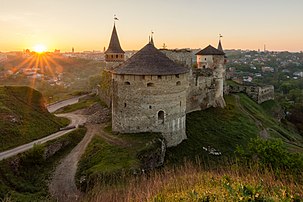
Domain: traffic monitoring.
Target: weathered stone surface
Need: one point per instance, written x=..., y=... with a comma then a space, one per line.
x=157, y=102
x=257, y=93
x=98, y=114
x=154, y=155
x=53, y=148
x=150, y=104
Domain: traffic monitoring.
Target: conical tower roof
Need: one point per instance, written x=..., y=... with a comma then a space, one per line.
x=210, y=50
x=150, y=61
x=220, y=46
x=114, y=44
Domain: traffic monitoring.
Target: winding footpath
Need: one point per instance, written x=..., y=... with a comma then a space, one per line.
x=62, y=186
x=75, y=121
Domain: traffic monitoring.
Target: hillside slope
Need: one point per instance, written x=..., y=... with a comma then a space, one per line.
x=24, y=117
x=217, y=132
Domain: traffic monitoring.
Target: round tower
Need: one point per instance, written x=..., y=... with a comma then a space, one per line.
x=149, y=95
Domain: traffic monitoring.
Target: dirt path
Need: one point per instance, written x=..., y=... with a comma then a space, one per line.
x=63, y=187
x=263, y=133
x=111, y=139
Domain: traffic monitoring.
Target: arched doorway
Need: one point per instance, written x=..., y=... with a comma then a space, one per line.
x=161, y=117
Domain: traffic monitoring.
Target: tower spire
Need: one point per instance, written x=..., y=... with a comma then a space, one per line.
x=151, y=41
x=220, y=45
x=114, y=51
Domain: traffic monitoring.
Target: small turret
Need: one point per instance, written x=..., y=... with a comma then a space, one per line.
x=114, y=52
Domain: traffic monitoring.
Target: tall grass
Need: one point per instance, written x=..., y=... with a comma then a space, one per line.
x=195, y=182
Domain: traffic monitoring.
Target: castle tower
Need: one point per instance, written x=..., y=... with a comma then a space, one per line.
x=114, y=52
x=214, y=59
x=149, y=95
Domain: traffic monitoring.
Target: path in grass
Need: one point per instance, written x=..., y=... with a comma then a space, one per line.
x=62, y=186
x=263, y=131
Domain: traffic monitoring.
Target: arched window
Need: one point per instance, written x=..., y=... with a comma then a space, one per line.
x=161, y=117
x=150, y=84
x=178, y=83
x=117, y=56
x=126, y=83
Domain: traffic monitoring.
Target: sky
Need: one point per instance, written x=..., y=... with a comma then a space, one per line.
x=87, y=24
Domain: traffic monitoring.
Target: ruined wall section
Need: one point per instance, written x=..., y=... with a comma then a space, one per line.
x=201, y=91
x=206, y=86
x=144, y=103
x=180, y=56
x=259, y=94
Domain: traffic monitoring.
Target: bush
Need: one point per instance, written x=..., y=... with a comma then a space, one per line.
x=270, y=154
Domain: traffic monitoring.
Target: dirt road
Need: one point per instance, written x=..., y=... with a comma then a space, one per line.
x=62, y=186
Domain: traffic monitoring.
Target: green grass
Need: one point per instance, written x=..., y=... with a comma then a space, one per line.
x=225, y=129
x=24, y=117
x=84, y=103
x=107, y=162
x=25, y=177
x=192, y=183
x=221, y=129
x=276, y=129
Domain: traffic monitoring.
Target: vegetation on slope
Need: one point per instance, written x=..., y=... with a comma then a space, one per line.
x=25, y=177
x=24, y=117
x=111, y=158
x=215, y=133
x=265, y=172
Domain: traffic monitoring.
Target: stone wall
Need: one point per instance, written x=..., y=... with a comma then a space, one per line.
x=257, y=93
x=180, y=56
x=206, y=84
x=150, y=104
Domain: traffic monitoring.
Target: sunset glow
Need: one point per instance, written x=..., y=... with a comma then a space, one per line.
x=244, y=24
x=40, y=48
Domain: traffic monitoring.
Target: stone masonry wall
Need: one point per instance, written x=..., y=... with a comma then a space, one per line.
x=181, y=56
x=259, y=94
x=150, y=104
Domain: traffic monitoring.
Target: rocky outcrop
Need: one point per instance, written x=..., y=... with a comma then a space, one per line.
x=153, y=155
x=98, y=114
x=53, y=148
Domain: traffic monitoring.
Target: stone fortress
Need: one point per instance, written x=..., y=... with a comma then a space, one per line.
x=152, y=93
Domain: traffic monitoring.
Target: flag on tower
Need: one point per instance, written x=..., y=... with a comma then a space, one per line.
x=115, y=18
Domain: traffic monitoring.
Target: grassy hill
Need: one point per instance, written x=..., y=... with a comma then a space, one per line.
x=213, y=137
x=220, y=131
x=24, y=117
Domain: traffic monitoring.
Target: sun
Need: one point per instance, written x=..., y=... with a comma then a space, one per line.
x=40, y=48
